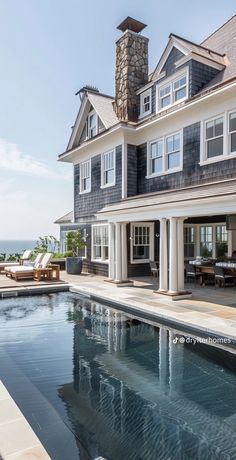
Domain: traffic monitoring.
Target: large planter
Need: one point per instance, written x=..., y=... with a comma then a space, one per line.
x=74, y=265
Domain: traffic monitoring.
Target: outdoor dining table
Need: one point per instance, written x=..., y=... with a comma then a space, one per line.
x=209, y=270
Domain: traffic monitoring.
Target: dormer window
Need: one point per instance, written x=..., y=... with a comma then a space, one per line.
x=172, y=92
x=92, y=124
x=145, y=103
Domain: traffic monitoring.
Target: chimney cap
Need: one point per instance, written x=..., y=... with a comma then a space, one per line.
x=131, y=24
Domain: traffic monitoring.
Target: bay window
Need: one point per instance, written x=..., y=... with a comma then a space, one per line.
x=100, y=243
x=142, y=242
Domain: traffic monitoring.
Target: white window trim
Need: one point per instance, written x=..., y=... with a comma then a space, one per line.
x=100, y=261
x=226, y=140
x=229, y=134
x=165, y=171
x=146, y=93
x=151, y=245
x=82, y=192
x=90, y=114
x=197, y=238
x=102, y=169
x=170, y=81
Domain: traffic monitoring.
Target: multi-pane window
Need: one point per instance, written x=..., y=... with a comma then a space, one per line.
x=189, y=241
x=108, y=168
x=156, y=157
x=221, y=241
x=214, y=130
x=100, y=243
x=165, y=96
x=232, y=132
x=180, y=88
x=172, y=92
x=145, y=103
x=92, y=124
x=85, y=177
x=165, y=154
x=206, y=240
x=173, y=151
x=142, y=242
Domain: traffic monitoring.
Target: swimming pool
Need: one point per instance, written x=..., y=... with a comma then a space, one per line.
x=94, y=381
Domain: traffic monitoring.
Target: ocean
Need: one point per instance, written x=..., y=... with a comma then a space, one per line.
x=16, y=246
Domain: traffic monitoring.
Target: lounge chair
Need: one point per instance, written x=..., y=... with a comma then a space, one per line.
x=25, y=256
x=27, y=272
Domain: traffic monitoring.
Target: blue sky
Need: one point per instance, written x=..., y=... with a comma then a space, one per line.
x=49, y=49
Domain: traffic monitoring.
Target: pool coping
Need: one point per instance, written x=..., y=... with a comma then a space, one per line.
x=158, y=317
x=33, y=290
x=18, y=440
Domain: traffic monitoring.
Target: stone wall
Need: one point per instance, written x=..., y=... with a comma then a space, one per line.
x=131, y=73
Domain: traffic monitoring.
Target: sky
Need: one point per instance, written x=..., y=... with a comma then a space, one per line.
x=50, y=49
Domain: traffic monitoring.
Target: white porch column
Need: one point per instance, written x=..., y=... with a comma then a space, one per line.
x=111, y=273
x=124, y=251
x=163, y=268
x=180, y=239
x=173, y=262
x=118, y=275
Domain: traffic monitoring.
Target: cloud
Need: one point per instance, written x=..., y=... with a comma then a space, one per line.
x=12, y=159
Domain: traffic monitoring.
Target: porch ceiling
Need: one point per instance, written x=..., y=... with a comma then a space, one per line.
x=208, y=199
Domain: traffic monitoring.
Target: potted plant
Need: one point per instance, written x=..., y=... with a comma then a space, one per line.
x=74, y=242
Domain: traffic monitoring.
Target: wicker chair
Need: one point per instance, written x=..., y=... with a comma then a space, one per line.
x=192, y=273
x=154, y=268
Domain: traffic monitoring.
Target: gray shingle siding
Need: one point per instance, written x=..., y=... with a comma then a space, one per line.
x=192, y=173
x=132, y=165
x=199, y=75
x=169, y=66
x=88, y=204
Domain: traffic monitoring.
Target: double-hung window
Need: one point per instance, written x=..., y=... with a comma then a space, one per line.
x=85, y=177
x=173, y=151
x=172, y=92
x=142, y=242
x=156, y=156
x=189, y=241
x=92, y=124
x=206, y=240
x=108, y=169
x=180, y=88
x=145, y=102
x=214, y=137
x=165, y=155
x=232, y=132
x=100, y=243
x=164, y=96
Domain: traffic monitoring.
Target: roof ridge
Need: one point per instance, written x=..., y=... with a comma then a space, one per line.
x=196, y=44
x=215, y=31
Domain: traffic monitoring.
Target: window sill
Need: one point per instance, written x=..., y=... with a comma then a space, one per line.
x=163, y=173
x=217, y=159
x=144, y=115
x=108, y=185
x=140, y=261
x=171, y=105
x=84, y=192
x=99, y=261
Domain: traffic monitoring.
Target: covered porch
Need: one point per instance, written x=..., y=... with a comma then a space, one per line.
x=170, y=227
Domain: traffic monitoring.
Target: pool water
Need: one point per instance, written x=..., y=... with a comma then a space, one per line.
x=93, y=381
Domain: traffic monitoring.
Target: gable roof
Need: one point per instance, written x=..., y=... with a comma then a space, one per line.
x=103, y=106
x=187, y=48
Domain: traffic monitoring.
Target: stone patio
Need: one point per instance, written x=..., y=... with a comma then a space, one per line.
x=210, y=310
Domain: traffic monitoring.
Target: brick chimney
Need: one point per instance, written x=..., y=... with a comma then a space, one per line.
x=131, y=68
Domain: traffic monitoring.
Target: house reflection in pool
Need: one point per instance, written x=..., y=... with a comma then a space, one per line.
x=137, y=394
